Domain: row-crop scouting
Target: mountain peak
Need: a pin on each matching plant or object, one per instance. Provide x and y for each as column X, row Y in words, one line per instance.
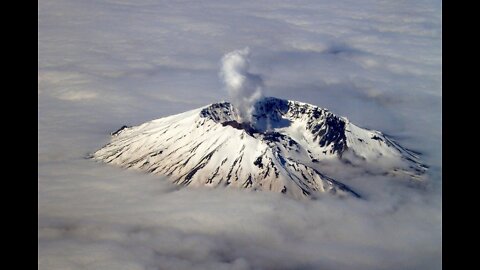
column 279, row 150
column 272, row 114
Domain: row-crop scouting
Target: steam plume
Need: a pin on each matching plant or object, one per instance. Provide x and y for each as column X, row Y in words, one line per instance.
column 243, row 87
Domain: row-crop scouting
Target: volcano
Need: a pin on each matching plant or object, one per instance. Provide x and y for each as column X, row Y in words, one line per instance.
column 282, row 149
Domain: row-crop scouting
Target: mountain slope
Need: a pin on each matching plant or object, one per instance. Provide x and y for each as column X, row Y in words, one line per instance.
column 279, row 151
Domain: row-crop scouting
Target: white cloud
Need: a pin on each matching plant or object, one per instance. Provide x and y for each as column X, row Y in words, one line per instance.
column 77, row 95
column 115, row 216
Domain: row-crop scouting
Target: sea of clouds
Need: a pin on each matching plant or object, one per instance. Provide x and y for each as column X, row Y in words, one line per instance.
column 106, row 63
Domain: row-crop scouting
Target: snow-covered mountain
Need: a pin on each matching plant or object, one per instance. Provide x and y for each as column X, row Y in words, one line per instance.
column 281, row 150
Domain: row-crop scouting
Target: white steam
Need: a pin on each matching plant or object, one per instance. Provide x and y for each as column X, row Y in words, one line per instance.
column 244, row 88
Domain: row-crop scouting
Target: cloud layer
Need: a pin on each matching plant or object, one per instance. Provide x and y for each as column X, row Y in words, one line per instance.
column 110, row 222
column 106, row 63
